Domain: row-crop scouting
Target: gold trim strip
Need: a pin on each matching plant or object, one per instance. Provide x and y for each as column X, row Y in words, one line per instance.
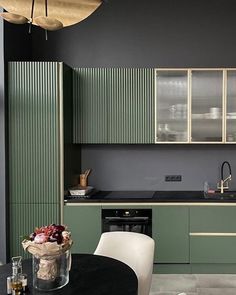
column 189, row 73
column 61, row 139
column 213, row 234
column 150, row 204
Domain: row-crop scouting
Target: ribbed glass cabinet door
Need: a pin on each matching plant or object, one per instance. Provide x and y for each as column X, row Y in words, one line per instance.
column 207, row 106
column 171, row 106
column 231, row 106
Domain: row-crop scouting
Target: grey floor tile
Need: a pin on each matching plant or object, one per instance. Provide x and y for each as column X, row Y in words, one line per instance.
column 216, row 291
column 173, row 283
column 216, row 281
column 171, row 293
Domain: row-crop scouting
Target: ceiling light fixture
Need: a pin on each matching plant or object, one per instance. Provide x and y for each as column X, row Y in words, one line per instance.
column 49, row 14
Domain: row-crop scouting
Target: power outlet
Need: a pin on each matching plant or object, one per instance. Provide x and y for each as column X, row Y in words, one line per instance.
column 173, row 178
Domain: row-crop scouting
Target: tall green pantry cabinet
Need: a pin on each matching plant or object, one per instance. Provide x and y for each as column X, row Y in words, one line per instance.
column 40, row 145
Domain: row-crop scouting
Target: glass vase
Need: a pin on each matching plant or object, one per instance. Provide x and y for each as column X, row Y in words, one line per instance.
column 51, row 272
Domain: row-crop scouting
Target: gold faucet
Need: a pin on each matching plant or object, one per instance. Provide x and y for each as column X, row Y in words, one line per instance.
column 224, row 183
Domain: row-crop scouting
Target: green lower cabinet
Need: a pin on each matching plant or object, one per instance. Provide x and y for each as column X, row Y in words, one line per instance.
column 213, row 219
column 213, row 234
column 170, row 230
column 84, row 223
column 212, row 249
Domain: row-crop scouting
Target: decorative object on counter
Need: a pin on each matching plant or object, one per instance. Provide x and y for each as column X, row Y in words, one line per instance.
column 50, row 246
column 17, row 282
column 50, row 15
column 80, row 191
column 83, row 178
column 208, row 189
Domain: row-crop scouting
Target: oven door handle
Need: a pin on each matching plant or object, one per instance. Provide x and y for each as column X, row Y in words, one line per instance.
column 127, row 219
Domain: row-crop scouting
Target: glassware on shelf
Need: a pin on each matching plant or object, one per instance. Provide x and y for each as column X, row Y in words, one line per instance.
column 163, row 132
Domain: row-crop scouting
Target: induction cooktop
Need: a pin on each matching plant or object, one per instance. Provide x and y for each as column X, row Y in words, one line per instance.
column 129, row 195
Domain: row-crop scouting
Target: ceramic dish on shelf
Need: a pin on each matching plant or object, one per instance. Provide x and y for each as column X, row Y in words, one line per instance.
column 198, row 116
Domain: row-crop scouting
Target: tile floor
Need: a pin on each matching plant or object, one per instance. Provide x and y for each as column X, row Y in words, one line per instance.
column 195, row 284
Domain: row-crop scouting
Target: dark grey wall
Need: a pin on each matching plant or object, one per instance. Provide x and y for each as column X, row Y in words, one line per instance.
column 17, row 43
column 143, row 167
column 2, row 152
column 151, row 33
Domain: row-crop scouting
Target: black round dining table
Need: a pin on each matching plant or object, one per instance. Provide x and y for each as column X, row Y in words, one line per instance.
column 89, row 275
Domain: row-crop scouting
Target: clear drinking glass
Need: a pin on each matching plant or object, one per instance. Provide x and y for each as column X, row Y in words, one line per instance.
column 51, row 272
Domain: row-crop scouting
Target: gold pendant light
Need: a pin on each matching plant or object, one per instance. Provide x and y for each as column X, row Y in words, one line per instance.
column 59, row 13
column 14, row 18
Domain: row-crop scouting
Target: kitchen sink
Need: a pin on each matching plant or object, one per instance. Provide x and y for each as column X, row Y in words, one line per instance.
column 227, row 195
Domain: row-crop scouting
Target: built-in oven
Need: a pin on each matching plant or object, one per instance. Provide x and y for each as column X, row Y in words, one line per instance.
column 134, row 220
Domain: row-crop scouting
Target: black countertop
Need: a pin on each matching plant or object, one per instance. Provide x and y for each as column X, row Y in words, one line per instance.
column 147, row 197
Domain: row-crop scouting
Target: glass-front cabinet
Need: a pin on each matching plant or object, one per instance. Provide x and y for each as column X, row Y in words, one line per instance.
column 172, row 106
column 231, row 107
column 195, row 106
column 206, row 106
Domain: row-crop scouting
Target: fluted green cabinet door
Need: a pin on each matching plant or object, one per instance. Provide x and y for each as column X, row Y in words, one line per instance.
column 130, row 100
column 90, row 105
column 23, row 220
column 36, row 148
column 113, row 105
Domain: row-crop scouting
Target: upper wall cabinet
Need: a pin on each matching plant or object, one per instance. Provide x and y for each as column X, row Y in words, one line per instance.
column 130, row 105
column 172, row 106
column 195, row 106
column 90, row 105
column 230, row 119
column 114, row 105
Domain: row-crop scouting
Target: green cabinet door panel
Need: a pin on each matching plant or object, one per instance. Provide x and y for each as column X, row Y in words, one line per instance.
column 210, row 249
column 211, row 228
column 33, row 110
column 113, row 105
column 170, row 230
column 84, row 223
column 23, row 220
column 90, row 105
column 130, row 99
column 213, row 219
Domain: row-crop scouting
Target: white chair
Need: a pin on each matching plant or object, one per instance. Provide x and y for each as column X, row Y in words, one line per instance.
column 134, row 249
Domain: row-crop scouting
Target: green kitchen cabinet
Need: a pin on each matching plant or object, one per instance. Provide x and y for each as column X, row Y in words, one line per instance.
column 130, row 100
column 40, row 144
column 213, row 234
column 84, row 223
column 113, row 105
column 24, row 218
column 170, row 230
column 90, row 105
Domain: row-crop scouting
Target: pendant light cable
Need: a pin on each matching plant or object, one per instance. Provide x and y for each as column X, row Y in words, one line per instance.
column 31, row 16
column 46, row 14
